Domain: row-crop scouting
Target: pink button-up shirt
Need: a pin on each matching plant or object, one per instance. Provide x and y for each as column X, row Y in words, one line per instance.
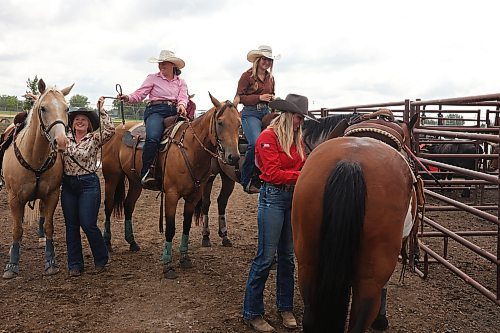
column 158, row 87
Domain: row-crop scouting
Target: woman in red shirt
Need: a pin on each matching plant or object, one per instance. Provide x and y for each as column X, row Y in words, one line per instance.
column 279, row 154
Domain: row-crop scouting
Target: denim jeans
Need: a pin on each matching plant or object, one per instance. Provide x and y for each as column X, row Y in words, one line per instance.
column 80, row 201
column 153, row 118
column 251, row 121
column 275, row 236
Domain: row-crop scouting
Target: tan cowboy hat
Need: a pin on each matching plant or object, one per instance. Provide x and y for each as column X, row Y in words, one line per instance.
column 166, row 55
column 292, row 103
column 263, row 51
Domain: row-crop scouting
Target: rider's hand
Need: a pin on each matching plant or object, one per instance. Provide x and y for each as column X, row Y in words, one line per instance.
column 122, row 97
column 266, row 97
column 181, row 109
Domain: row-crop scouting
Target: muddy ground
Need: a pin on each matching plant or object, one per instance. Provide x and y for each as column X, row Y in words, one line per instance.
column 132, row 295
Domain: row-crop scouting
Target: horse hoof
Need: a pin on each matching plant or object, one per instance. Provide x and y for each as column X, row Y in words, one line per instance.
column 7, row 275
column 381, row 323
column 169, row 272
column 226, row 242
column 205, row 242
column 186, row 262
column 134, row 247
column 52, row 270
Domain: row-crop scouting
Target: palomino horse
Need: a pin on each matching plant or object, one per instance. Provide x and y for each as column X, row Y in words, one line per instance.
column 314, row 133
column 349, row 236
column 187, row 161
column 33, row 170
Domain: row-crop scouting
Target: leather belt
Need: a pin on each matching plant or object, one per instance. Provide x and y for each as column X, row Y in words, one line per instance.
column 162, row 102
column 283, row 187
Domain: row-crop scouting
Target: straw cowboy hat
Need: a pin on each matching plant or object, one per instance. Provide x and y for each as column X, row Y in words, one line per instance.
column 92, row 115
column 166, row 55
column 262, row 51
column 292, row 103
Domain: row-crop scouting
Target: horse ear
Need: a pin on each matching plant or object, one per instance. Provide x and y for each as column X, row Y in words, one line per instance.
column 413, row 121
column 41, row 86
column 66, row 90
column 215, row 102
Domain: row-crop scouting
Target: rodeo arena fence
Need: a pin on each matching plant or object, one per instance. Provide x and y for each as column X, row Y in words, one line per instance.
column 478, row 124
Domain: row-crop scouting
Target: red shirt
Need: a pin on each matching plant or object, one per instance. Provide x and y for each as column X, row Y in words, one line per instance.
column 276, row 166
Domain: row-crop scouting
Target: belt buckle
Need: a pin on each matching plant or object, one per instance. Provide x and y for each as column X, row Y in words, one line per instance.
column 260, row 106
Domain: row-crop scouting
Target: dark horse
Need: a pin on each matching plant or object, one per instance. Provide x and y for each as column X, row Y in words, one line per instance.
column 349, row 235
column 314, row 133
column 456, row 148
column 185, row 168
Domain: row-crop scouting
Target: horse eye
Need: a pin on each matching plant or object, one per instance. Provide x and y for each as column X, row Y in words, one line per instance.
column 43, row 109
column 220, row 123
column 67, row 110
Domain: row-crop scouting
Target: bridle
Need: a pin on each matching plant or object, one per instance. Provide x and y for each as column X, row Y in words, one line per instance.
column 51, row 158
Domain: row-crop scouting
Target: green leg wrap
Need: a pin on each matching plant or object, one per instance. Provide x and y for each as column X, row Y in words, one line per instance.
column 183, row 248
column 129, row 232
column 167, row 253
column 107, row 231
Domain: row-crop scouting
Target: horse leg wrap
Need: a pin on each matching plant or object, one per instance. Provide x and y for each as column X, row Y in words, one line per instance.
column 107, row 231
column 206, row 230
column 183, row 248
column 129, row 232
column 40, row 232
column 383, row 302
column 50, row 254
column 15, row 253
column 222, row 226
column 167, row 253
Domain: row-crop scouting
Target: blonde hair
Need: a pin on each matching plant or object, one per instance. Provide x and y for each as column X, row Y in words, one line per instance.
column 256, row 65
column 283, row 127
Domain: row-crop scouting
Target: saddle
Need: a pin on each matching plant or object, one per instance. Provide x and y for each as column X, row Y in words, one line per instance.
column 136, row 135
column 384, row 128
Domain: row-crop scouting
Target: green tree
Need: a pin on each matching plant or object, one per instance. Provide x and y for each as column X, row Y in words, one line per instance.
column 454, row 119
column 78, row 101
column 32, row 86
column 8, row 103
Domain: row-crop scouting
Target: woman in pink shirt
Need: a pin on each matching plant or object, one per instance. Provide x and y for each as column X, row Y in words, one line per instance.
column 167, row 97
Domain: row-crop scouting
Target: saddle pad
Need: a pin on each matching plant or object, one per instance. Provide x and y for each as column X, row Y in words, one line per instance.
column 165, row 138
column 138, row 133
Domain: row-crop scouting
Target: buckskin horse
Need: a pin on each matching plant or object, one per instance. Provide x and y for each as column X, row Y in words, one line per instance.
column 314, row 133
column 184, row 166
column 348, row 236
column 33, row 170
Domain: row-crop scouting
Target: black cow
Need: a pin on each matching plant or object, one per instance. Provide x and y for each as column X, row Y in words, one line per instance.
column 456, row 148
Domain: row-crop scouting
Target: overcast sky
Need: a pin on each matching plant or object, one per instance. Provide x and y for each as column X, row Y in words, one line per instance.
column 337, row 53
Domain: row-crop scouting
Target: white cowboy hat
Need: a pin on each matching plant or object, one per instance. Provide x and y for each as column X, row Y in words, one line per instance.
column 262, row 51
column 166, row 55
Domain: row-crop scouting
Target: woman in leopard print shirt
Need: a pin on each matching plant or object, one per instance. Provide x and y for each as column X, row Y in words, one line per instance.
column 81, row 190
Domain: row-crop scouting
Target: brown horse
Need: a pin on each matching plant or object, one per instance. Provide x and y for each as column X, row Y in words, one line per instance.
column 349, row 236
column 314, row 133
column 187, row 161
column 33, row 170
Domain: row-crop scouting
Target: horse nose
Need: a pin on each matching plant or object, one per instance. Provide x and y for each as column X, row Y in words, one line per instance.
column 233, row 159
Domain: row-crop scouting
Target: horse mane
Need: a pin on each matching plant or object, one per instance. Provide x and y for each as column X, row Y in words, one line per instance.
column 314, row 130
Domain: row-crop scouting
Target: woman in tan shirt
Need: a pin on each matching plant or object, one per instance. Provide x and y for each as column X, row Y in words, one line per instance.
column 255, row 91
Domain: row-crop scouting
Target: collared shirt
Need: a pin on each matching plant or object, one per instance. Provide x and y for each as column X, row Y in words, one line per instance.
column 276, row 166
column 85, row 152
column 250, row 88
column 159, row 88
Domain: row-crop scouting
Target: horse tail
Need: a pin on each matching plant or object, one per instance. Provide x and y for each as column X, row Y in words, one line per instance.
column 119, row 197
column 343, row 215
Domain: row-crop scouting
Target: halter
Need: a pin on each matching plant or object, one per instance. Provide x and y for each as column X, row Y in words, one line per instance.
column 51, row 158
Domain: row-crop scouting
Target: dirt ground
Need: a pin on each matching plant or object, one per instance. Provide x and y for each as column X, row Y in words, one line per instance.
column 132, row 295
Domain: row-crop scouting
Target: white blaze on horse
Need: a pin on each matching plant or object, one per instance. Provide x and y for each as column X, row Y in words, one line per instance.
column 33, row 169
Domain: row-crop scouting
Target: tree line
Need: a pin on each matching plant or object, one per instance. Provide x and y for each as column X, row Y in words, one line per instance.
column 14, row 104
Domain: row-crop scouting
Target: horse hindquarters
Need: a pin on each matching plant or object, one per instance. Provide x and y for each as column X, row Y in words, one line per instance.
column 343, row 215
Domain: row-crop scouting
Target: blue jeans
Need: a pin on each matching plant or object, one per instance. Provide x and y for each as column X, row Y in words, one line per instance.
column 251, row 121
column 80, row 201
column 153, row 118
column 275, row 235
